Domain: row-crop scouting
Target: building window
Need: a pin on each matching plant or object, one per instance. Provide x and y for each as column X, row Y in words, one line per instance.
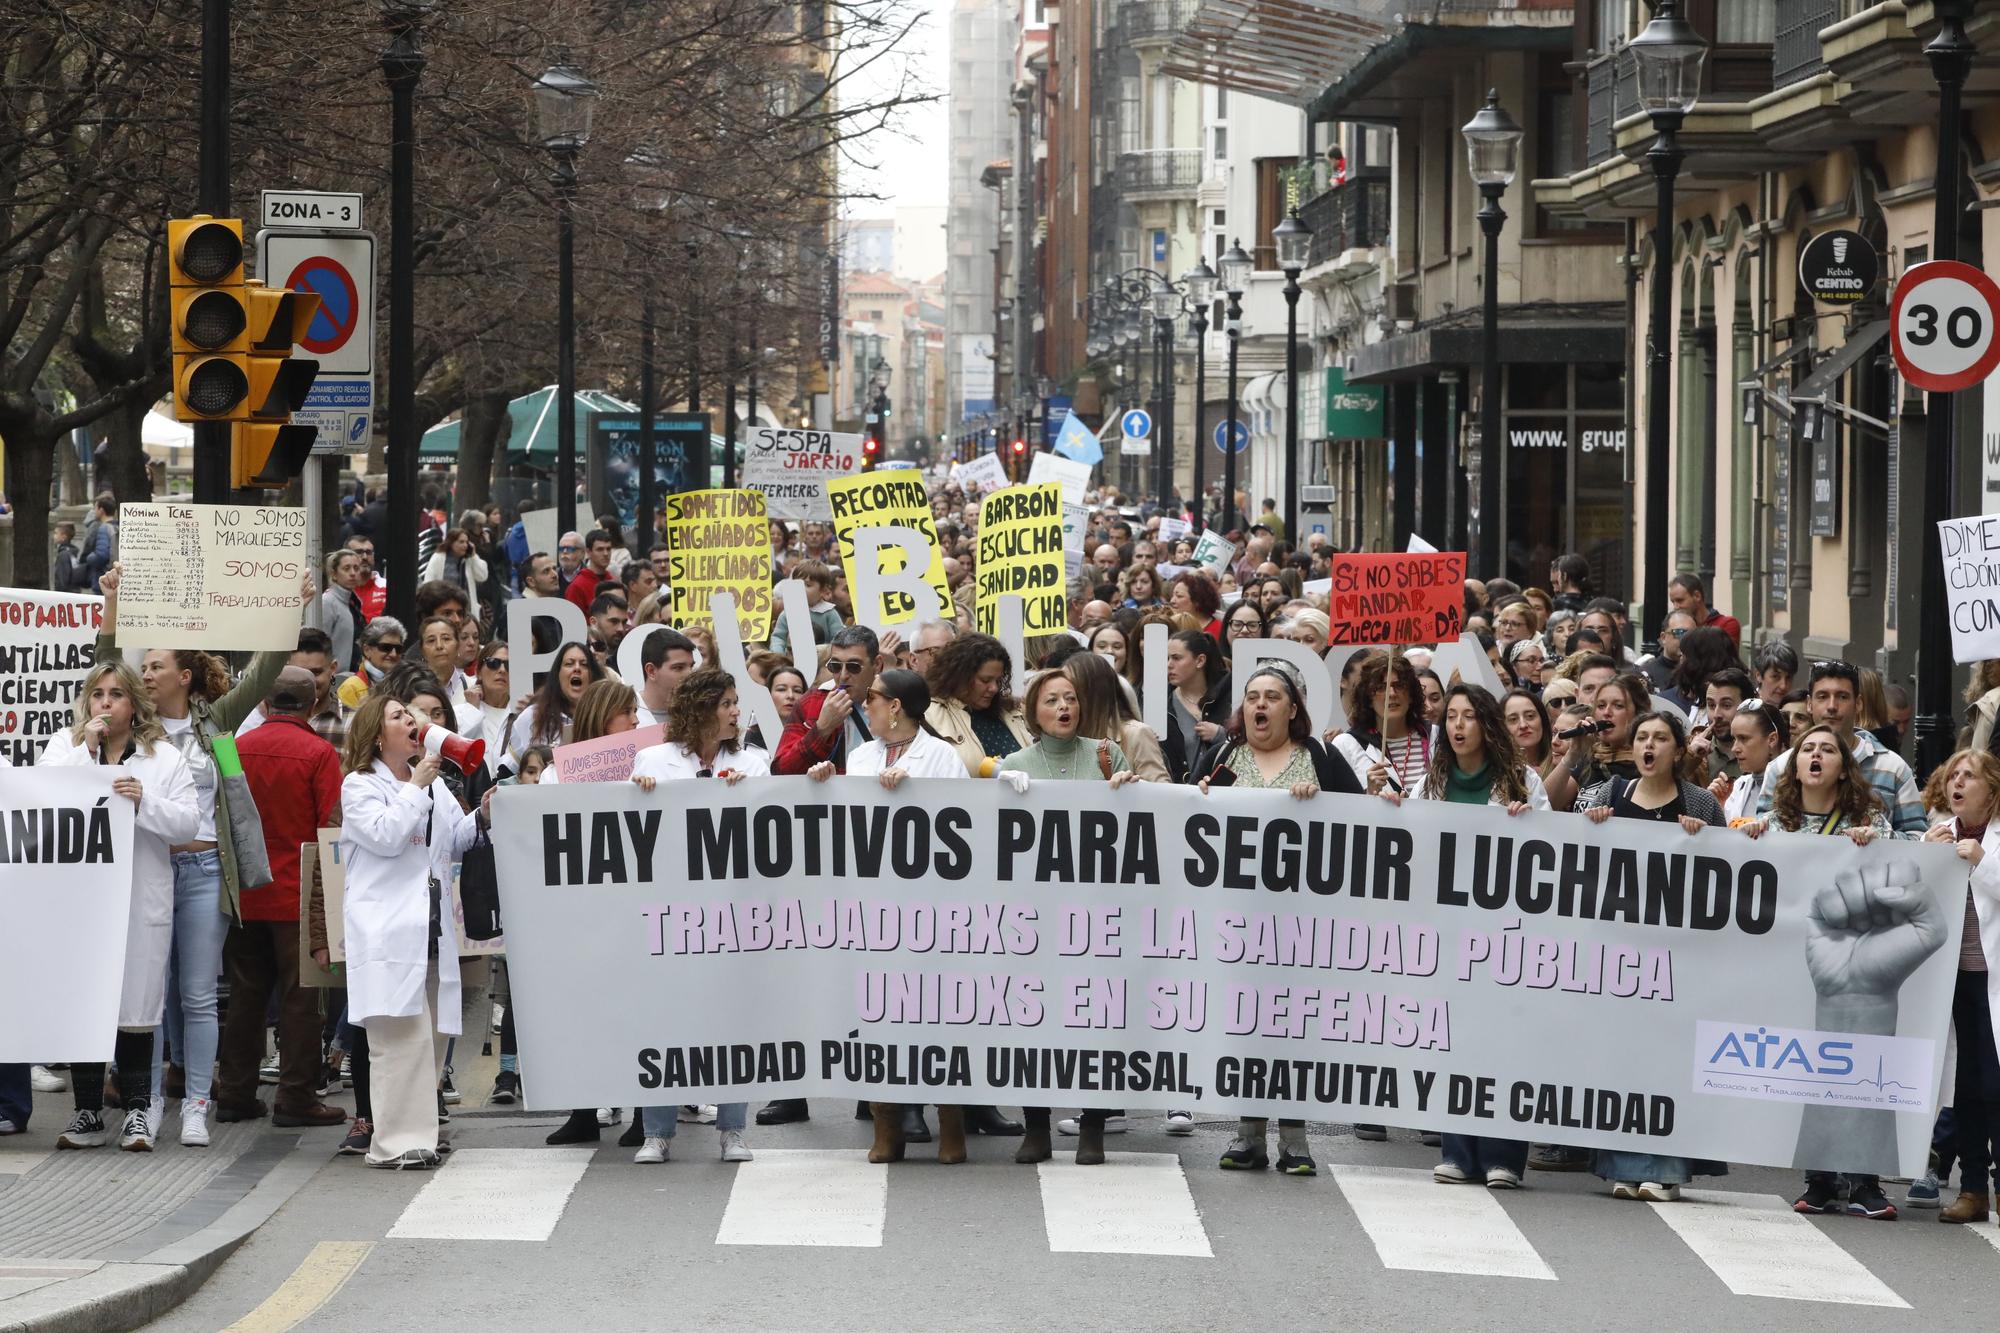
column 1745, row 22
column 1270, row 207
column 1222, row 101
column 1221, row 143
column 1613, row 23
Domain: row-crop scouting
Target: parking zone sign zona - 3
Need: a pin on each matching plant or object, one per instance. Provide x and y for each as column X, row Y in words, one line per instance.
column 337, row 265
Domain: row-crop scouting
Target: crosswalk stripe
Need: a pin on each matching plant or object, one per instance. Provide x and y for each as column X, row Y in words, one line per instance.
column 806, row 1197
column 1136, row 1203
column 494, row 1194
column 1759, row 1247
column 1418, row 1224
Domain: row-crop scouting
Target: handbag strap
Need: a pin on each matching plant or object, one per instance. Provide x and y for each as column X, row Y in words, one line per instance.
column 1104, row 758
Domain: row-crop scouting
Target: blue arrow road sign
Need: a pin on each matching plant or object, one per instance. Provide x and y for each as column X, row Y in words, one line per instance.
column 1137, row 423
column 1224, row 436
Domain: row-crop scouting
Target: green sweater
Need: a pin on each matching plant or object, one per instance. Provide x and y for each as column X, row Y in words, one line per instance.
column 1076, row 757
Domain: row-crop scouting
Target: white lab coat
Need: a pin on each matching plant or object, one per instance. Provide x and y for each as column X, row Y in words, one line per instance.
column 927, row 757
column 1986, row 905
column 672, row 761
column 168, row 814
column 387, row 908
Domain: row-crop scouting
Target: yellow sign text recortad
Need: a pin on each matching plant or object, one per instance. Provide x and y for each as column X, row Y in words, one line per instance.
column 893, row 498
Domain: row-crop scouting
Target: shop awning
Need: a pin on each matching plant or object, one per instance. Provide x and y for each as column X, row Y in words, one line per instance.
column 1288, row 50
column 1841, row 360
column 531, row 425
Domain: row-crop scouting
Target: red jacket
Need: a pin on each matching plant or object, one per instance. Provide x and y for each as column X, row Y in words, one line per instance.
column 582, row 589
column 802, row 745
column 295, row 776
column 1727, row 624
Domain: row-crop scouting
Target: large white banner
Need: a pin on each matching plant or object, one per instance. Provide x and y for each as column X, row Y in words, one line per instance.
column 1780, row 1001
column 47, row 646
column 65, row 896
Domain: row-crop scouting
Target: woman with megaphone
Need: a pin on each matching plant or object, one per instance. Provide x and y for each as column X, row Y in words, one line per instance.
column 401, row 829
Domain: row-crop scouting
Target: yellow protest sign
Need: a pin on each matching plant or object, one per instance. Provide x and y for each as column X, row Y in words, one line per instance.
column 888, row 499
column 1021, row 552
column 719, row 541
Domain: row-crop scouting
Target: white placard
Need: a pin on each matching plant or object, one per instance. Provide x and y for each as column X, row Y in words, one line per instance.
column 1214, row 551
column 220, row 577
column 47, row 642
column 1074, row 476
column 66, row 881
column 984, row 473
column 792, row 467
column 1972, row 585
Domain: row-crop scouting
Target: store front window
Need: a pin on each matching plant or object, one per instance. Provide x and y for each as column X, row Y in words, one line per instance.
column 1566, row 443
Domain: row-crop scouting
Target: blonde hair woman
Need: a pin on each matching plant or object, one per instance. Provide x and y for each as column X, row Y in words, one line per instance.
column 116, row 726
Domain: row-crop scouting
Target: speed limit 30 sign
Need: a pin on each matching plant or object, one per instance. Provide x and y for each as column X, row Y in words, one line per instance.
column 1942, row 326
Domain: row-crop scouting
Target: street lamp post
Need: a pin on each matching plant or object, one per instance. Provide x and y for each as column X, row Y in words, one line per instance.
column 1236, row 267
column 1668, row 54
column 1200, row 284
column 1166, row 303
column 1292, row 239
column 564, row 101
column 651, row 197
column 1951, row 56
column 1493, row 151
column 402, row 65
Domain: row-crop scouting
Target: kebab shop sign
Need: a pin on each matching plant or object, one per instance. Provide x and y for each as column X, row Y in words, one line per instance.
column 1411, row 597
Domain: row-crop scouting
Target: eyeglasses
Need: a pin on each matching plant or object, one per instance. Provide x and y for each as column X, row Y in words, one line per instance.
column 569, row 549
column 494, row 663
column 391, row 649
column 840, row 668
column 1672, row 633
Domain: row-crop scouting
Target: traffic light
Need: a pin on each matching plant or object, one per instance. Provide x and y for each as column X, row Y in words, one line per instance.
column 266, row 455
column 208, row 319
column 1020, row 447
column 871, row 450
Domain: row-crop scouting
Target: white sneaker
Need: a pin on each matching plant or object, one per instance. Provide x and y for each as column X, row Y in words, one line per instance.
column 1624, row 1189
column 1180, row 1123
column 194, row 1123
column 268, row 1071
column 499, row 1013
column 1449, row 1173
column 1653, row 1192
column 651, row 1153
column 733, row 1149
column 137, row 1136
column 1113, row 1124
column 697, row 1115
column 1500, row 1178
column 8, row 1127
column 44, row 1079
column 609, row 1115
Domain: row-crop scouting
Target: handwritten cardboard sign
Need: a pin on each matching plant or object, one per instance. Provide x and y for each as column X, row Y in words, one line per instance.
column 719, row 541
column 1407, row 598
column 1971, row 548
column 792, row 467
column 891, row 499
column 47, row 642
column 1021, row 552
column 606, row 759
column 221, row 577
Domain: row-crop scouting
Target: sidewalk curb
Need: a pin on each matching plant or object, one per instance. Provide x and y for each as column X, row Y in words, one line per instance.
column 122, row 1295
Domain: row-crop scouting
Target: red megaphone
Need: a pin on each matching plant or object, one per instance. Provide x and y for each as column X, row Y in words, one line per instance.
column 460, row 753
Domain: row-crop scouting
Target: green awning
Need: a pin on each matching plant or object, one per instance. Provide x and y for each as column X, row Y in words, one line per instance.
column 531, row 425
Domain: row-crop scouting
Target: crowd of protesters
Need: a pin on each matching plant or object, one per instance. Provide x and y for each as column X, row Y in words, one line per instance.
column 1707, row 731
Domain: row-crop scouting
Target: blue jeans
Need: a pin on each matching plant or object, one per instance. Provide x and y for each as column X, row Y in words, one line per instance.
column 193, row 967
column 1476, row 1155
column 662, row 1121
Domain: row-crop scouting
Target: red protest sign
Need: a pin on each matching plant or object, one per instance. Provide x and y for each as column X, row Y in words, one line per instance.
column 1418, row 597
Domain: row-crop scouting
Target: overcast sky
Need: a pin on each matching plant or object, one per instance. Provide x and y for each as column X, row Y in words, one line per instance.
column 906, row 164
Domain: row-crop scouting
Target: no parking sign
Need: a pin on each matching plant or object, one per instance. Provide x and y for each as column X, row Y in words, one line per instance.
column 339, row 266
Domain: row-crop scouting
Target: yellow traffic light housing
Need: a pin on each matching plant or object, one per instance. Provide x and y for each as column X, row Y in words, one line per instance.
column 208, row 317
column 267, row 455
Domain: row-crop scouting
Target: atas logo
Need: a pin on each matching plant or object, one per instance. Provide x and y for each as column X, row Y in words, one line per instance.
column 1768, row 1051
column 1799, row 1064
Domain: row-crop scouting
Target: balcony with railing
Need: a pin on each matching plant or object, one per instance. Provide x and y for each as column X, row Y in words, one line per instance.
column 1611, row 87
column 1353, row 215
column 1143, row 20
column 1795, row 49
column 1159, row 173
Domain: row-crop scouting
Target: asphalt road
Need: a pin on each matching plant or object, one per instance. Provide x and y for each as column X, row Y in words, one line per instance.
column 513, row 1235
